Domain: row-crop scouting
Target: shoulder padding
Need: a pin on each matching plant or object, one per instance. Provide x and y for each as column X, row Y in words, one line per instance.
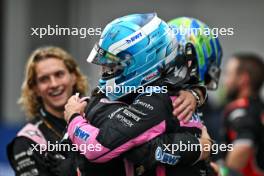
column 32, row 132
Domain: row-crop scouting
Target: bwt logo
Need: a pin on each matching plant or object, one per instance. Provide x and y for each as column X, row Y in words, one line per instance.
column 135, row 37
column 81, row 134
column 166, row 158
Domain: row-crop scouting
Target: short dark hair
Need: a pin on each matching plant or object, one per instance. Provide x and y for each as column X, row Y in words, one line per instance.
column 252, row 64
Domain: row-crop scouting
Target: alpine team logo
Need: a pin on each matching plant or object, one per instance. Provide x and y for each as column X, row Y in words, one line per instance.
column 134, row 38
column 166, row 158
column 81, row 134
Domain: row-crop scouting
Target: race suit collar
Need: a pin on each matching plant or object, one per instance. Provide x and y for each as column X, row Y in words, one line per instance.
column 56, row 123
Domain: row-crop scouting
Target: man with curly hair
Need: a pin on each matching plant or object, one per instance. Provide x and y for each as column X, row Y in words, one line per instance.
column 51, row 77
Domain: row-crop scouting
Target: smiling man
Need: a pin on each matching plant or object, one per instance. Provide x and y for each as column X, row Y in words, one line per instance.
column 51, row 77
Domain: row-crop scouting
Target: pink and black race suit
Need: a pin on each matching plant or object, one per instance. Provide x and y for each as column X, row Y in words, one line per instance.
column 118, row 127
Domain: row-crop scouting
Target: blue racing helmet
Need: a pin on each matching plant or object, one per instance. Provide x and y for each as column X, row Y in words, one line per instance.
column 132, row 51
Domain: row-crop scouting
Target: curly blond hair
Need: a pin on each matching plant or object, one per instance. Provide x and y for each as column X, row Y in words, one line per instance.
column 29, row 100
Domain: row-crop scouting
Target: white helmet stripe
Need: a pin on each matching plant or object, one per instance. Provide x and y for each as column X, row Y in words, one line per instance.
column 136, row 37
column 171, row 56
column 92, row 55
column 174, row 53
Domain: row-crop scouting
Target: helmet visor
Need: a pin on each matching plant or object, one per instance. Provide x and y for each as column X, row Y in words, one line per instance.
column 99, row 56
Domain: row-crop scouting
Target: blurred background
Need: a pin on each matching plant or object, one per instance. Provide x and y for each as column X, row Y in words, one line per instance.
column 19, row 16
